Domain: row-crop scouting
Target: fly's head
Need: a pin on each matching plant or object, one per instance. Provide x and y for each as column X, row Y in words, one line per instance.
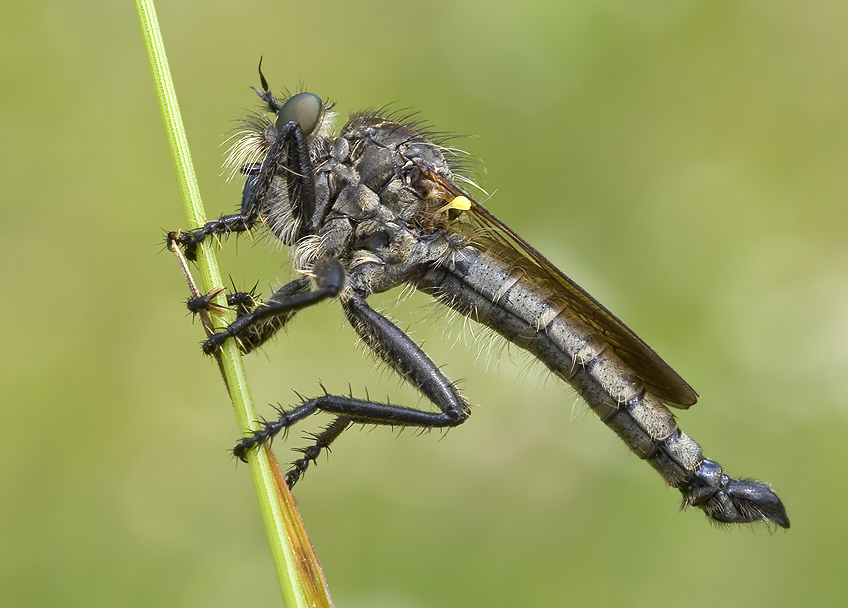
column 269, row 148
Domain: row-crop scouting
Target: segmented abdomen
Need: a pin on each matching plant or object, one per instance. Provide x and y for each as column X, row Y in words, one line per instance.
column 502, row 297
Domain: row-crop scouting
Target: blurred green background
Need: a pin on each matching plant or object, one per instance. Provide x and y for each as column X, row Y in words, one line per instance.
column 684, row 162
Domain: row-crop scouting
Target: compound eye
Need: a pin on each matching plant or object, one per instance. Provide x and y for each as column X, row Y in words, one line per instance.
column 304, row 108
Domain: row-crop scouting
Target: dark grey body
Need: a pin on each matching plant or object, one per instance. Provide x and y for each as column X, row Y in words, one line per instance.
column 384, row 207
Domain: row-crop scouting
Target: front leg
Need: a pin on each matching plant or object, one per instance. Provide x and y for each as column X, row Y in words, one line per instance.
column 287, row 156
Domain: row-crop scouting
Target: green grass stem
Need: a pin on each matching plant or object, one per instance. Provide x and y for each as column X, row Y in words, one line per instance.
column 287, row 571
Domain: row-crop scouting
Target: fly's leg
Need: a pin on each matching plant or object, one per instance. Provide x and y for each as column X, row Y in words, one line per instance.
column 242, row 301
column 404, row 356
column 288, row 155
column 262, row 324
column 322, row 441
column 257, row 326
column 259, row 333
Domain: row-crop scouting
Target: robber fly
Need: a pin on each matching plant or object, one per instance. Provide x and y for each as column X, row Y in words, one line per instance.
column 380, row 206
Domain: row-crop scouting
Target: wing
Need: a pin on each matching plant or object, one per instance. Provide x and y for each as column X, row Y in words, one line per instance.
column 657, row 375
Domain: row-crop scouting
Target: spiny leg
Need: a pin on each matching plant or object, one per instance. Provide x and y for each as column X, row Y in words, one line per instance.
column 242, row 301
column 289, row 156
column 255, row 327
column 310, row 453
column 246, row 303
column 404, row 356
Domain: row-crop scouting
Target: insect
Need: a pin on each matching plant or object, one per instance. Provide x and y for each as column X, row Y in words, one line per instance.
column 380, row 206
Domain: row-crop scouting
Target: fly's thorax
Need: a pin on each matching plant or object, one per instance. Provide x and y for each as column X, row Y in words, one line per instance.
column 377, row 209
column 373, row 163
column 385, row 155
column 392, row 135
column 380, row 220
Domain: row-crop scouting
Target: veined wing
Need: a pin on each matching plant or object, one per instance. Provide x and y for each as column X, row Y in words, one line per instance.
column 657, row 375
